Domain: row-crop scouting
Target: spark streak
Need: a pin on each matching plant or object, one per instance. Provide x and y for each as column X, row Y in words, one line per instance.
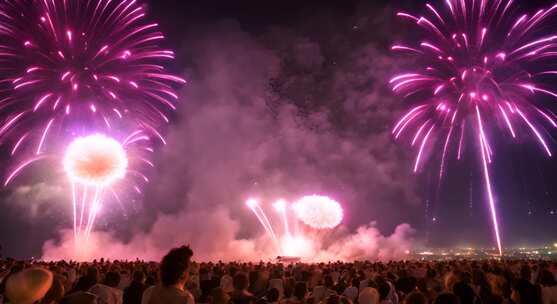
column 319, row 213
column 482, row 59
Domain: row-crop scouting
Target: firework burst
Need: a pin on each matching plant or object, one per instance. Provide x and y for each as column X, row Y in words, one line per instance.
column 481, row 69
column 319, row 213
column 84, row 62
column 93, row 162
column 99, row 167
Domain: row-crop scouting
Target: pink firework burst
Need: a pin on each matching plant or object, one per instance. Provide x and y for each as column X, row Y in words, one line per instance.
column 85, row 62
column 481, row 69
column 99, row 167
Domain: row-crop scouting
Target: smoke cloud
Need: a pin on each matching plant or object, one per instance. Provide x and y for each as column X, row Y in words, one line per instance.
column 277, row 115
column 214, row 236
column 39, row 200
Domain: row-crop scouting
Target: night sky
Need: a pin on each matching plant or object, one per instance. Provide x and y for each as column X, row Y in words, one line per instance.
column 287, row 98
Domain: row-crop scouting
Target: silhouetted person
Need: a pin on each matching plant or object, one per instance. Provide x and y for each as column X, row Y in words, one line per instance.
column 218, row 296
column 465, row 293
column 446, row 298
column 87, row 281
column 548, row 287
column 55, row 293
column 384, row 290
column 272, row 296
column 134, row 292
column 174, row 275
column 299, row 294
column 415, row 297
column 108, row 291
column 241, row 295
column 525, row 293
column 205, row 284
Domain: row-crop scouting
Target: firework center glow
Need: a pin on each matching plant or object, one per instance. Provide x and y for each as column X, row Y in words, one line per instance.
column 318, row 212
column 296, row 246
column 95, row 160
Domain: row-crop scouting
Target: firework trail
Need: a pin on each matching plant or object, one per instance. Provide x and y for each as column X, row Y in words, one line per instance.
column 319, row 213
column 97, row 165
column 92, row 162
column 85, row 62
column 263, row 220
column 481, row 69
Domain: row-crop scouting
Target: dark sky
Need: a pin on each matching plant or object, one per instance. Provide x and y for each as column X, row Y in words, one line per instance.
column 349, row 37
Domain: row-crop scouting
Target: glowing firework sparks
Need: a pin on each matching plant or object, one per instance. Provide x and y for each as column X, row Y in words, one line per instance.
column 318, row 212
column 95, row 164
column 90, row 62
column 280, row 206
column 70, row 66
column 95, row 160
column 263, row 219
column 296, row 242
column 479, row 70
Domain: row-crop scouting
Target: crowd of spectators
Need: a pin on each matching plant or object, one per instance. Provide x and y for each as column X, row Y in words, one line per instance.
column 177, row 279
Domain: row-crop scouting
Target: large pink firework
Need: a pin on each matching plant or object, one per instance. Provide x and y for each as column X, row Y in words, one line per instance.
column 79, row 62
column 481, row 69
column 100, row 169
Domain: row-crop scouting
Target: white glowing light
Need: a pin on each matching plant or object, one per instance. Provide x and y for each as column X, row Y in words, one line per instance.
column 318, row 212
column 280, row 205
column 251, row 203
column 295, row 246
column 95, row 160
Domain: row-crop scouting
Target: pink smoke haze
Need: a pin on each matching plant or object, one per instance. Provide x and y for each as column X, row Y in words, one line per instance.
column 238, row 138
column 215, row 237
